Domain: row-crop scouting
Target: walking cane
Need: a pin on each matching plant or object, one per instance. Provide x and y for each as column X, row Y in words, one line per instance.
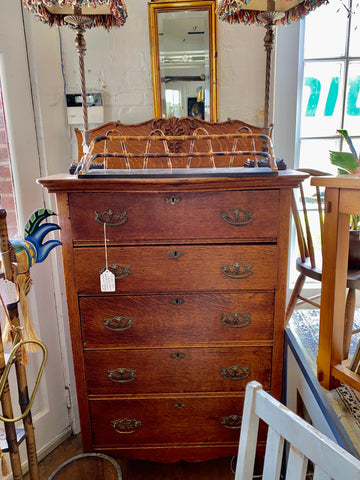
column 20, row 375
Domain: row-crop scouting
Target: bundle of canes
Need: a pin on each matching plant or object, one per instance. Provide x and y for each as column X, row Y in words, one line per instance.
column 6, row 404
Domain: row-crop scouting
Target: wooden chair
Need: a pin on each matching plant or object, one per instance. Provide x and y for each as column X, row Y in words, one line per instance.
column 305, row 443
column 309, row 266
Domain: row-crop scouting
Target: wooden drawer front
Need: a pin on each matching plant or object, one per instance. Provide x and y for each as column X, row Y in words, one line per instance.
column 171, row 419
column 160, row 320
column 179, row 268
column 176, row 369
column 170, row 216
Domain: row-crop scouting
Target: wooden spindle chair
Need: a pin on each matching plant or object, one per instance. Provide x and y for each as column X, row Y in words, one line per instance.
column 309, row 264
column 305, row 443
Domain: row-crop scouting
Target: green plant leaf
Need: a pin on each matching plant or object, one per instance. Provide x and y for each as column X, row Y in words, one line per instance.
column 347, row 137
column 354, row 222
column 345, row 161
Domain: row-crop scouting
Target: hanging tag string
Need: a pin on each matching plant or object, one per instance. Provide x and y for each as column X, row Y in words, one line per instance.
column 107, row 278
column 105, row 241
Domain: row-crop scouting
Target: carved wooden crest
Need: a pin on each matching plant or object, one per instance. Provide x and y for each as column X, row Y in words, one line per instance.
column 174, row 126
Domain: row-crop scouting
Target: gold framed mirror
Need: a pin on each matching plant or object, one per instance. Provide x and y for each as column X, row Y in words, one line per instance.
column 183, row 42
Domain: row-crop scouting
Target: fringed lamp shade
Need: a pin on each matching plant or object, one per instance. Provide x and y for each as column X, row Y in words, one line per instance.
column 80, row 14
column 247, row 12
column 103, row 13
column 270, row 14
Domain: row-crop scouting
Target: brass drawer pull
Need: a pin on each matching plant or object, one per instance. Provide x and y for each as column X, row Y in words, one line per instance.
column 177, row 301
column 120, row 271
column 237, row 270
column 175, row 254
column 237, row 217
column 110, row 218
column 179, row 405
column 125, row 425
column 118, row 323
column 235, row 372
column 173, row 200
column 177, row 355
column 232, row 421
column 236, row 320
column 122, row 375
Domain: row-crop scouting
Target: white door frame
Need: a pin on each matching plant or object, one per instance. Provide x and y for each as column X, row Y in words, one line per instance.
column 36, row 132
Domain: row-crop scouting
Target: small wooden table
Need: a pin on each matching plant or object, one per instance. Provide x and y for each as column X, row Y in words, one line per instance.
column 342, row 198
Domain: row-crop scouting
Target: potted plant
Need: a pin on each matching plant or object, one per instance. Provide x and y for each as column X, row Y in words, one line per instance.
column 348, row 163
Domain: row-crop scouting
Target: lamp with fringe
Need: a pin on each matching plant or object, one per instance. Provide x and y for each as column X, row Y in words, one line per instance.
column 80, row 14
column 268, row 13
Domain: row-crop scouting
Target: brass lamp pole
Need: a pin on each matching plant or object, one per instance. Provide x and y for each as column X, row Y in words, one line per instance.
column 80, row 14
column 268, row 13
column 79, row 22
column 270, row 17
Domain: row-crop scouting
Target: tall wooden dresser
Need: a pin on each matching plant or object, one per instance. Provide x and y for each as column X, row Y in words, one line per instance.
column 161, row 363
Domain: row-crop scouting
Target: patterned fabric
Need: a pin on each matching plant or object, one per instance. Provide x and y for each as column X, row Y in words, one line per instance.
column 117, row 18
column 235, row 11
column 305, row 323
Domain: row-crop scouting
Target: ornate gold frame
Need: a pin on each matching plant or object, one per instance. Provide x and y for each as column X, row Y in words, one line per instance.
column 162, row 5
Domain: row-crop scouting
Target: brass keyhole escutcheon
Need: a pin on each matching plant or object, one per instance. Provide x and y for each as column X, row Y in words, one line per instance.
column 177, row 301
column 178, row 355
column 176, row 254
column 173, row 200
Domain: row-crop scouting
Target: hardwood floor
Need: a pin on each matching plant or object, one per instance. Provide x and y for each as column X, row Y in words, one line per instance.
column 219, row 469
column 69, row 448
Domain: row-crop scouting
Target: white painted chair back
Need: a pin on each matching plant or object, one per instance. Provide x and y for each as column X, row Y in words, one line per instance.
column 304, row 442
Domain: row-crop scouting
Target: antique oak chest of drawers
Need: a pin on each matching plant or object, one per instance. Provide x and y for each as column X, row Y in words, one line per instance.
column 198, row 309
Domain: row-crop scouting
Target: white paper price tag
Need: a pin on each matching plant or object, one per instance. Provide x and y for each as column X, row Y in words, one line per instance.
column 8, row 291
column 107, row 281
column 2, row 315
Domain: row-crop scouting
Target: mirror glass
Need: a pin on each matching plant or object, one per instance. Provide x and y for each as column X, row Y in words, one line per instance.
column 183, row 55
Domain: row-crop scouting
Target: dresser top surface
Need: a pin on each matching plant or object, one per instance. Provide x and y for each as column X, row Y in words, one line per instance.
column 71, row 183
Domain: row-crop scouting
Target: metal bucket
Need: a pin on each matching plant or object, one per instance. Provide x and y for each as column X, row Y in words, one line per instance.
column 94, row 466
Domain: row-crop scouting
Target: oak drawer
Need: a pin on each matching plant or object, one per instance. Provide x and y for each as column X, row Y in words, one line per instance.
column 176, row 369
column 160, row 320
column 143, row 217
column 173, row 420
column 179, row 268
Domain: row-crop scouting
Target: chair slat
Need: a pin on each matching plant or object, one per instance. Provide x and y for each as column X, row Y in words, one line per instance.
column 248, row 439
column 296, row 465
column 321, row 216
column 273, row 455
column 309, row 240
column 299, row 229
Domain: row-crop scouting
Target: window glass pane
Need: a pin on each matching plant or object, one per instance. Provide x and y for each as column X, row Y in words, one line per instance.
column 354, row 49
column 173, row 103
column 322, row 98
column 325, row 30
column 315, row 154
column 352, row 110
